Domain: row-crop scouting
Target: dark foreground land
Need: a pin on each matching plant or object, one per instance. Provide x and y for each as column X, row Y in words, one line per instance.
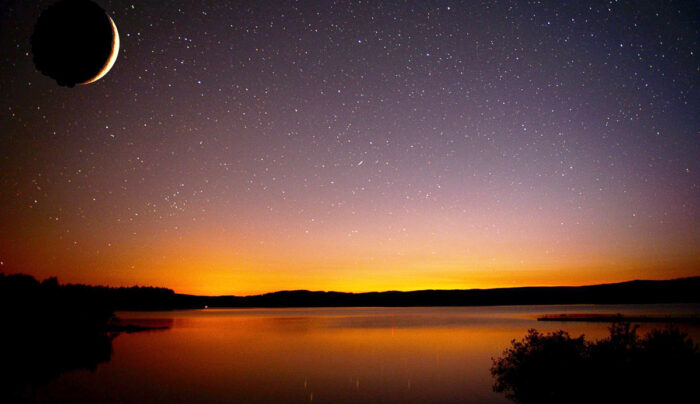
column 662, row 366
column 49, row 329
column 17, row 291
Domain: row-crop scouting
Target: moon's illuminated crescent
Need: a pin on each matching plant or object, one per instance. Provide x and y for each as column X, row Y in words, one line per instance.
column 112, row 57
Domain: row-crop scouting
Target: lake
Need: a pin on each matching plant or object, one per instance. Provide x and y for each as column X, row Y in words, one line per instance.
column 338, row 355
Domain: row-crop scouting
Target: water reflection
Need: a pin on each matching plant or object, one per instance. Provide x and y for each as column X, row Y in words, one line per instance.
column 34, row 354
column 392, row 355
column 30, row 361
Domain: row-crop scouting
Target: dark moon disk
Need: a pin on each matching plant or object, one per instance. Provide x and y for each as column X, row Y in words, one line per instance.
column 74, row 42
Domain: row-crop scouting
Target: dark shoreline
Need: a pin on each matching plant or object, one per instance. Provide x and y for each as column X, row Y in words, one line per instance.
column 26, row 291
column 619, row 318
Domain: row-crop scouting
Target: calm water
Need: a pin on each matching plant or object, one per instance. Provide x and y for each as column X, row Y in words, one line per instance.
column 389, row 355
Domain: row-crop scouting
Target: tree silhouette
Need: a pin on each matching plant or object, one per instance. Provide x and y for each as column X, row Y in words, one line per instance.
column 663, row 366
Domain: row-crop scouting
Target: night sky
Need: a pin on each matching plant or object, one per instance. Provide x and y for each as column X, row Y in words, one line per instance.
column 245, row 147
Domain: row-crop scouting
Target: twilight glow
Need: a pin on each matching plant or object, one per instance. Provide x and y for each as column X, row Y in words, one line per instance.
column 245, row 148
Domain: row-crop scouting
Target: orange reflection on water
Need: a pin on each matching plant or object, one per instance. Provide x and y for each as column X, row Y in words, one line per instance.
column 401, row 355
column 278, row 358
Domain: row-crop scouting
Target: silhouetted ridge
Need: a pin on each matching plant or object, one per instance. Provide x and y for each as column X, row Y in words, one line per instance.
column 671, row 291
column 682, row 290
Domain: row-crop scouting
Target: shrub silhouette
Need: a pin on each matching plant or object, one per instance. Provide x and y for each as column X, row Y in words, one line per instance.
column 663, row 366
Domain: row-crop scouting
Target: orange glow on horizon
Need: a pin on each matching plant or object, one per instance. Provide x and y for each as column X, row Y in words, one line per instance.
column 210, row 268
column 416, row 250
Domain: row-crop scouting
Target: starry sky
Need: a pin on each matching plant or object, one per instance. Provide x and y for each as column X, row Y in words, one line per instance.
column 245, row 147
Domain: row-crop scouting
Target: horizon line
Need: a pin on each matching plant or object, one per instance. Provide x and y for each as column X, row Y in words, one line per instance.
column 447, row 290
column 371, row 291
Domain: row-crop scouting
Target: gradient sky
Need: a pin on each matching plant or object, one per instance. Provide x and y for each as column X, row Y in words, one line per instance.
column 257, row 146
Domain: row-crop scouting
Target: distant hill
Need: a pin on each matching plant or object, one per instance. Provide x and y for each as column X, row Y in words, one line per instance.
column 684, row 290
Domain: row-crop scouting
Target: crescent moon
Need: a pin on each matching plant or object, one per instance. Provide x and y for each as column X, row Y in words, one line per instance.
column 112, row 57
